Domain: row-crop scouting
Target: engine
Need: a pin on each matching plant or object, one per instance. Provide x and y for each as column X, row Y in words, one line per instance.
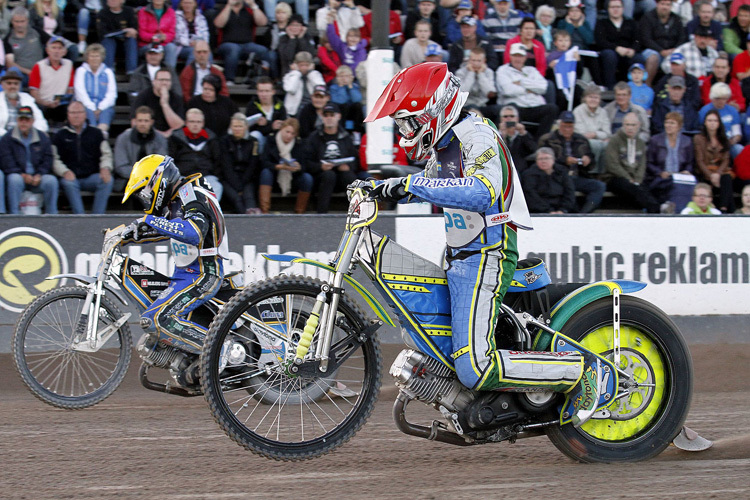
column 426, row 379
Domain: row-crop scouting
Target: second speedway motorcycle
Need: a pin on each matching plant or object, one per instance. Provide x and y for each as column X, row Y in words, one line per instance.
column 72, row 345
column 291, row 366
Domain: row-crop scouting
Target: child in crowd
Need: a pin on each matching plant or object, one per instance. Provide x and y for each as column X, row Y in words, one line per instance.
column 641, row 94
column 701, row 204
column 562, row 43
column 329, row 59
column 346, row 93
column 354, row 51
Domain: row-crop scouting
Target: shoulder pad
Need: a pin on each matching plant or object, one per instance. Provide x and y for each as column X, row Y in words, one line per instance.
column 187, row 194
column 472, row 129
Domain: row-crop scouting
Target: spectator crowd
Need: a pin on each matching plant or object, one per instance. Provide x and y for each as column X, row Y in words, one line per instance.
column 657, row 115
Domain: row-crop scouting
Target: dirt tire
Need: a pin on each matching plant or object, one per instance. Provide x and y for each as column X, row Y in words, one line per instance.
column 239, row 409
column 67, row 378
column 655, row 354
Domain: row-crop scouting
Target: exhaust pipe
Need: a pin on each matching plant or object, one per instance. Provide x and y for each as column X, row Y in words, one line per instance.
column 433, row 433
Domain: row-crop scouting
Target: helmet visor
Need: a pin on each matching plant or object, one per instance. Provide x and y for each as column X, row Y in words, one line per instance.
column 145, row 196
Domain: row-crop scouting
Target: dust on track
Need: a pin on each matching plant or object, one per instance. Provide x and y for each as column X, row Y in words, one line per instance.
column 142, row 444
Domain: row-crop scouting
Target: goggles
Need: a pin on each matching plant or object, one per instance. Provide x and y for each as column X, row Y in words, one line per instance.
column 409, row 126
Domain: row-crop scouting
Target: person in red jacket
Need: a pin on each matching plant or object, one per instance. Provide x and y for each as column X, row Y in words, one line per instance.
column 191, row 77
column 157, row 23
column 720, row 73
column 329, row 59
column 535, row 51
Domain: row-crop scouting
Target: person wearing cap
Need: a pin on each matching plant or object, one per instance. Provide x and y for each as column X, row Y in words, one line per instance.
column 675, row 100
column 353, row 50
column 46, row 17
column 192, row 75
column 236, row 24
column 157, row 25
column 300, row 83
column 592, row 121
column 330, row 142
column 85, row 161
column 573, row 152
column 536, row 55
column 51, row 81
column 720, row 94
column 501, row 23
column 525, row 87
column 311, row 115
column 458, row 51
column 25, row 42
column 196, row 149
column 142, row 78
column 661, row 32
column 624, row 104
column 453, row 26
column 117, row 26
column 721, row 74
column 704, row 16
column 698, row 53
column 625, row 163
column 415, row 48
column 426, row 10
column 617, row 39
column 479, row 81
column 167, row 106
column 217, row 109
column 348, row 16
column 692, row 85
column 295, row 39
column 736, row 34
column 641, row 94
column 575, row 23
column 190, row 27
column 27, row 159
column 547, row 187
column 11, row 98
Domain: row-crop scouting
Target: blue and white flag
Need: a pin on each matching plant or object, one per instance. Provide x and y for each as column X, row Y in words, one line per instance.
column 565, row 74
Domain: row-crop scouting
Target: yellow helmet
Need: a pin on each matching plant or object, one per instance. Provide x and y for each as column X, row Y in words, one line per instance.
column 153, row 179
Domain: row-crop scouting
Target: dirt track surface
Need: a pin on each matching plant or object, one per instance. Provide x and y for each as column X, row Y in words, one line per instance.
column 142, row 444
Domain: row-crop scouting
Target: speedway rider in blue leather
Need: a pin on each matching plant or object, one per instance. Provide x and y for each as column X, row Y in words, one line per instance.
column 185, row 211
column 470, row 174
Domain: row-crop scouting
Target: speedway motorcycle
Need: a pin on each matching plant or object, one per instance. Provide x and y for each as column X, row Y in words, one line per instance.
column 72, row 345
column 291, row 366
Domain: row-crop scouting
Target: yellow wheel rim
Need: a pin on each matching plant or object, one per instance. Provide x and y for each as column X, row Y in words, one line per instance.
column 640, row 358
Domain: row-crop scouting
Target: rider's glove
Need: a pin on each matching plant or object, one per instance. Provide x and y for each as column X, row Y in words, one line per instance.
column 137, row 230
column 365, row 185
column 392, row 189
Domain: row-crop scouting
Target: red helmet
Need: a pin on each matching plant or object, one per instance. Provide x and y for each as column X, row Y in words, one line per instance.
column 425, row 101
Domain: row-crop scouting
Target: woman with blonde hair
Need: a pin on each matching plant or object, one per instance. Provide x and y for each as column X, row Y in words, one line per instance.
column 46, row 16
column 95, row 86
column 283, row 166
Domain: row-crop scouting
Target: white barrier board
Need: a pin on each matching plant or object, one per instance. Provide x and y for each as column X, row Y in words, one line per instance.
column 692, row 265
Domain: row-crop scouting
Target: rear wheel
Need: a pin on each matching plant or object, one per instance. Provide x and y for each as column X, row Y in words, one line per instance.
column 653, row 354
column 51, row 357
column 252, row 396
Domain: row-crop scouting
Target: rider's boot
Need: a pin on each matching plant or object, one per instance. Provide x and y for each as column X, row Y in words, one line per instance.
column 585, row 394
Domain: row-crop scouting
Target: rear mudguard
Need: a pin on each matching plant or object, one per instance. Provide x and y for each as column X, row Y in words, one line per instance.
column 376, row 306
column 89, row 280
column 576, row 300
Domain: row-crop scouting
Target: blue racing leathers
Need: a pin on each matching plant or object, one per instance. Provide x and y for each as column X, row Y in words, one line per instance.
column 471, row 175
column 195, row 227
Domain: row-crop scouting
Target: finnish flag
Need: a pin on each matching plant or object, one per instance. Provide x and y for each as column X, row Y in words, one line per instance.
column 565, row 73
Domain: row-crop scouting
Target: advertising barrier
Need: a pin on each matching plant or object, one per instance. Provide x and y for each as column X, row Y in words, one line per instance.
column 694, row 266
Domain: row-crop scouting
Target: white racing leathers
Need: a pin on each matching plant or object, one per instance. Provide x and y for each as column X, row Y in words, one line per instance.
column 471, row 176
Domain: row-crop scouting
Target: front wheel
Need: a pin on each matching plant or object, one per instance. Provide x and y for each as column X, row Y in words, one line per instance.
column 249, row 390
column 52, row 359
column 656, row 397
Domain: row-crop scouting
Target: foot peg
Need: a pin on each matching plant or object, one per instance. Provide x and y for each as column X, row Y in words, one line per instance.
column 585, row 397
